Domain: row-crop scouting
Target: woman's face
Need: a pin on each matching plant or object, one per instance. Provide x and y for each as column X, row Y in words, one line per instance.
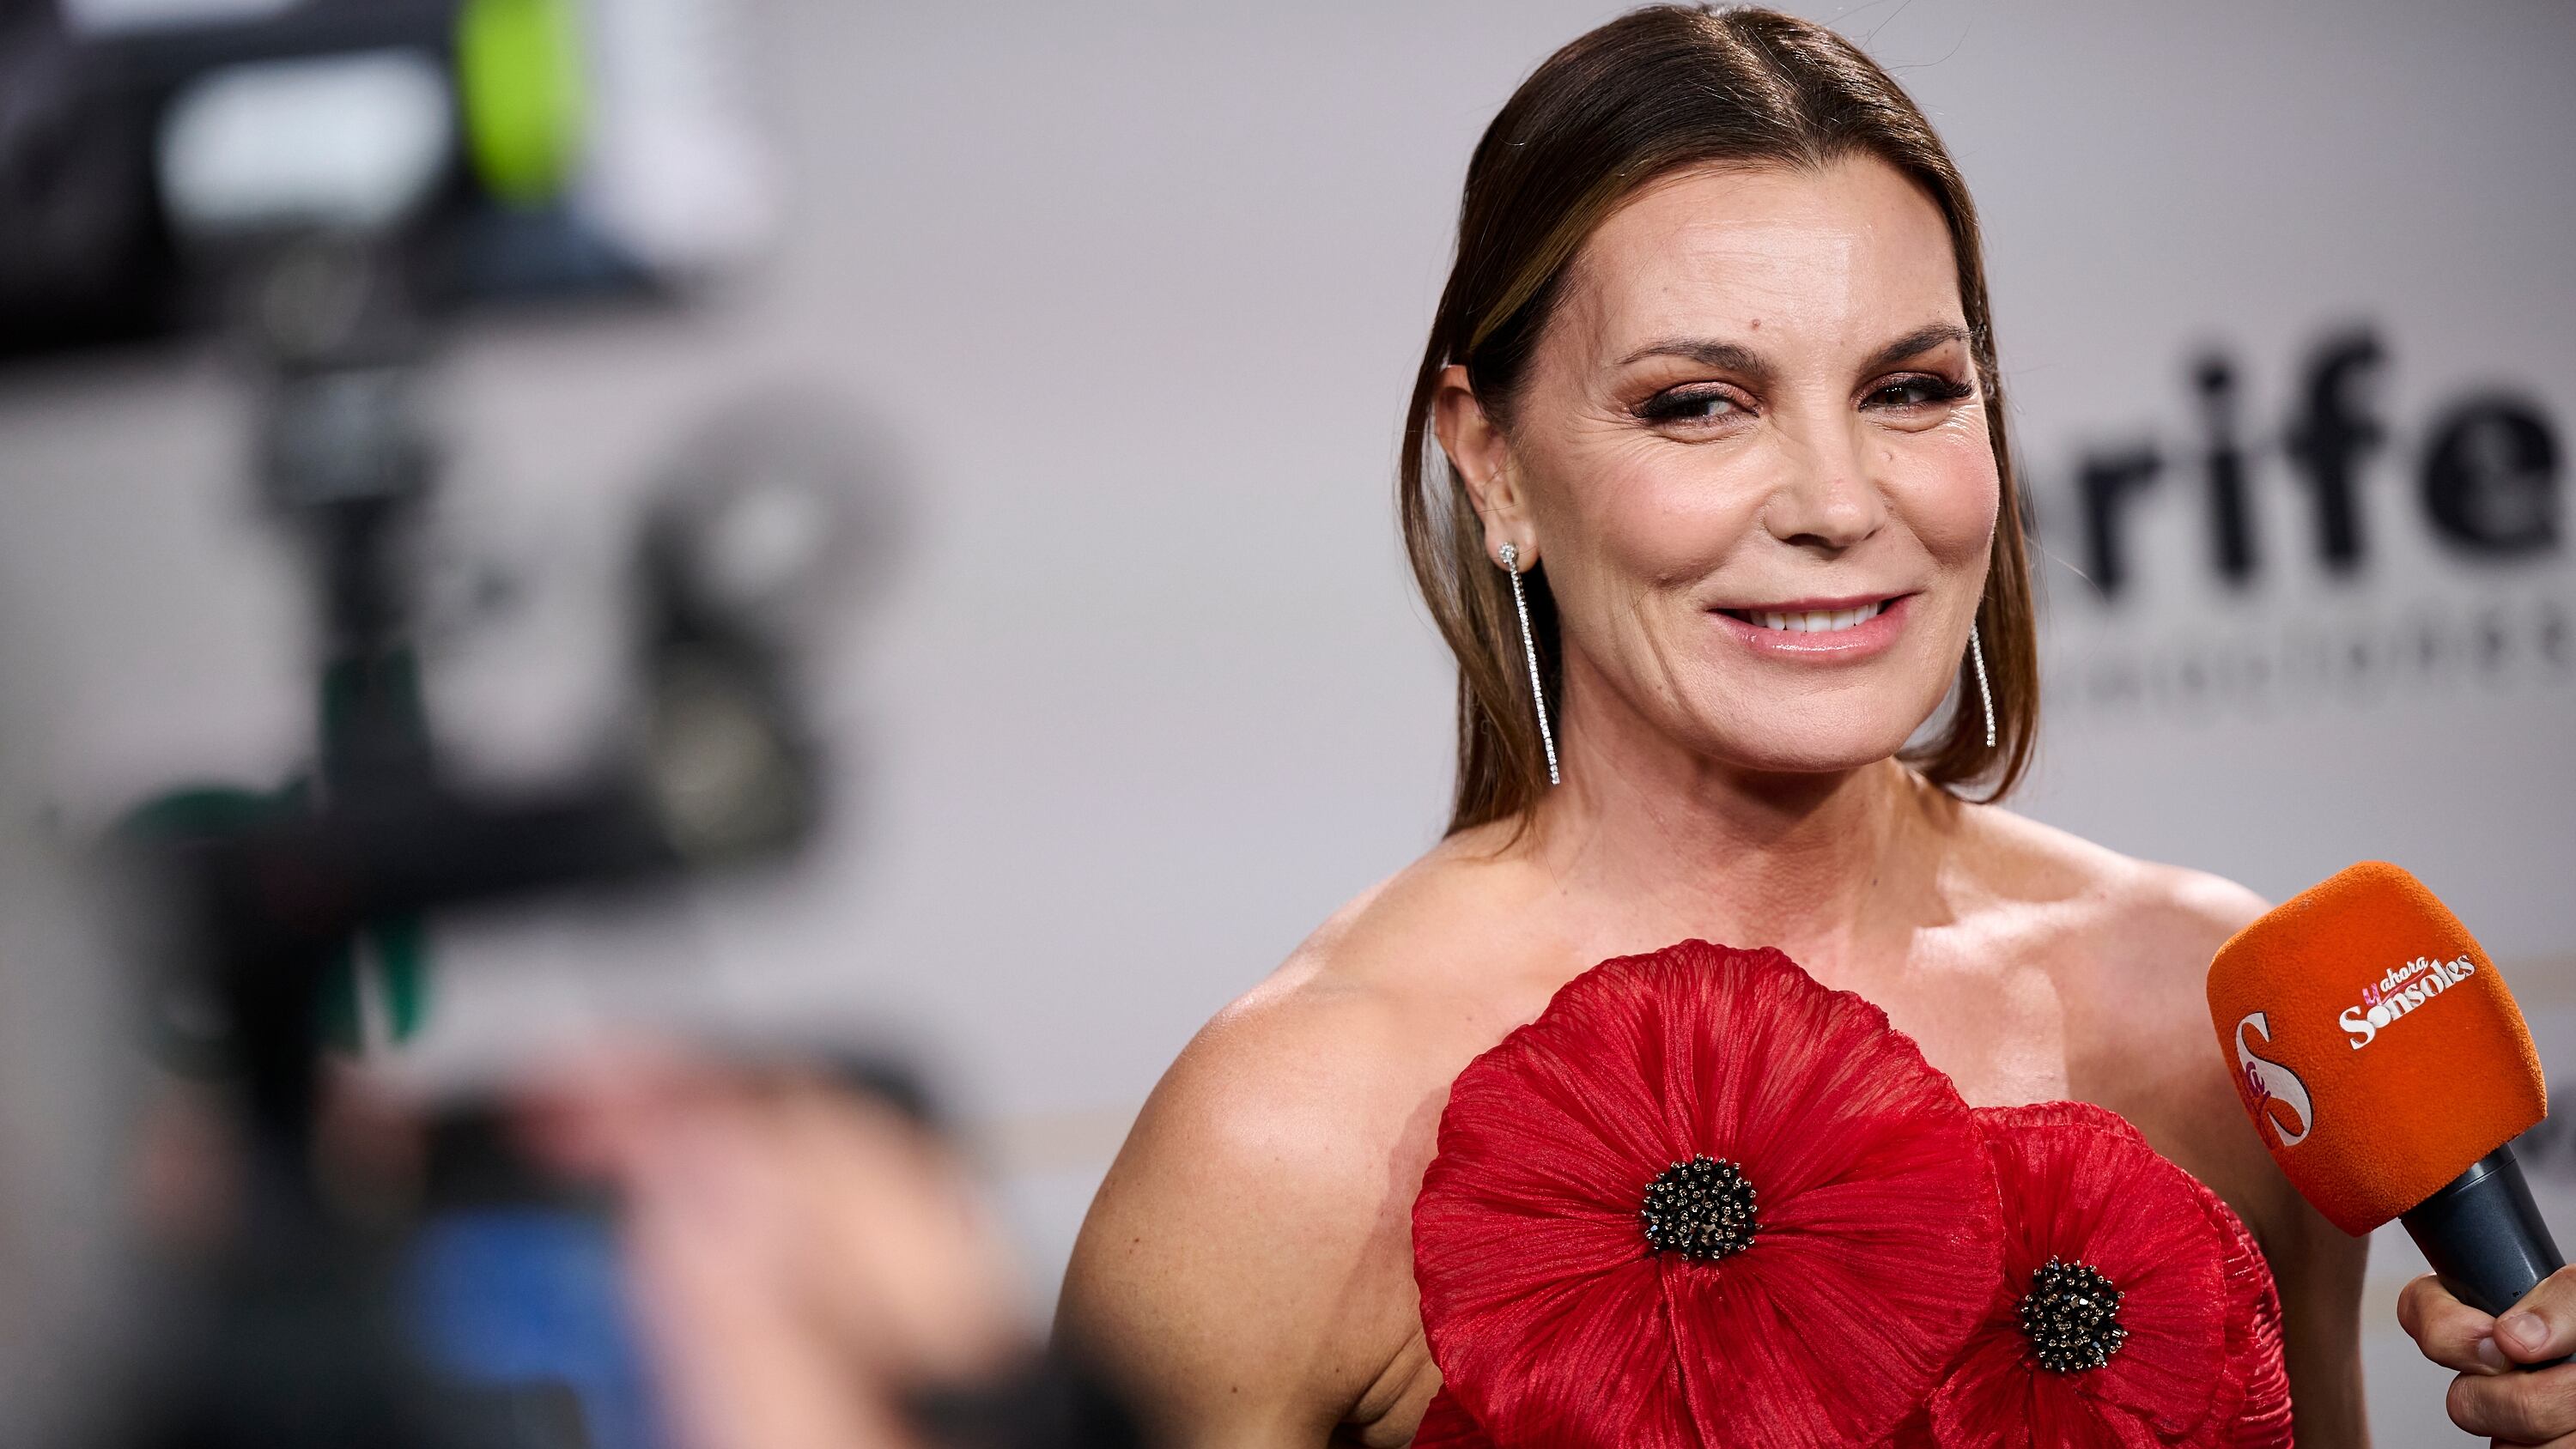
column 1751, row 452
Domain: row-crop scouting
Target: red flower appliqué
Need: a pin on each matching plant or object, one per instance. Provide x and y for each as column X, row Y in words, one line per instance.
column 1700, row 1201
column 2135, row 1310
column 1446, row 1426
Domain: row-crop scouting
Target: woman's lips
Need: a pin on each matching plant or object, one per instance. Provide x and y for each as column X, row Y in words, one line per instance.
column 1820, row 629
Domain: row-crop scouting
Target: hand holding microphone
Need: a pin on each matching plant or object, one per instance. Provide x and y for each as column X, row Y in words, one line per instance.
column 2388, row 1071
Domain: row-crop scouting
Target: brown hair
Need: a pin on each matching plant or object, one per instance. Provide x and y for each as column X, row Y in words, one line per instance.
column 1651, row 93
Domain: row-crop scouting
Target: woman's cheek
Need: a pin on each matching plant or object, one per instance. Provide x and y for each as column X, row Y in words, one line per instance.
column 1951, row 499
column 1670, row 523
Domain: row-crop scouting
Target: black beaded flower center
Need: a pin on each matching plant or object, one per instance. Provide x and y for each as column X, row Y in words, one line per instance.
column 2072, row 1315
column 1701, row 1209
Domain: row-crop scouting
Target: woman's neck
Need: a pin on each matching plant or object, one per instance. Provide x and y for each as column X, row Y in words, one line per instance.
column 1668, row 839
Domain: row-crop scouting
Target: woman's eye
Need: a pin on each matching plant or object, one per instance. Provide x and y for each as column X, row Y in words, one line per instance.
column 1918, row 391
column 1689, row 407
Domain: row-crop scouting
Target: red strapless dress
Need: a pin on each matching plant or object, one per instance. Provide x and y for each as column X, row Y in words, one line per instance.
column 1704, row 1201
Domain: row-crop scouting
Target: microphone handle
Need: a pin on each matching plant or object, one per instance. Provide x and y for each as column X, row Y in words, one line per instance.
column 2484, row 1236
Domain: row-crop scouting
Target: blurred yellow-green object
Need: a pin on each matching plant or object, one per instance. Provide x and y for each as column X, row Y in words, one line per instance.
column 520, row 78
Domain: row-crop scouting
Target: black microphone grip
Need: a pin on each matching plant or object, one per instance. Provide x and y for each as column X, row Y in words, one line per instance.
column 2484, row 1237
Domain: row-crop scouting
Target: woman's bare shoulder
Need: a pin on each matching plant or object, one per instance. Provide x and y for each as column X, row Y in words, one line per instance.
column 2144, row 934
column 1246, row 1266
column 1328, row 1056
column 2130, row 944
column 1316, row 1060
column 2135, row 916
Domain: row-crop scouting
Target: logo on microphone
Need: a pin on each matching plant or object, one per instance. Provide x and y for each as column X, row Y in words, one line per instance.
column 2273, row 1093
column 2400, row 991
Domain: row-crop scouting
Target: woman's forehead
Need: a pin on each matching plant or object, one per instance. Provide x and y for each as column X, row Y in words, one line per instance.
column 1786, row 256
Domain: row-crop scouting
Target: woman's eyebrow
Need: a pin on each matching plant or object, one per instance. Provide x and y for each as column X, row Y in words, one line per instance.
column 1707, row 351
column 1736, row 357
column 1921, row 340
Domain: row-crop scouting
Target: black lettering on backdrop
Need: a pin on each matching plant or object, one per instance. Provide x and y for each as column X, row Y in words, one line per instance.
column 2332, row 660
column 2329, row 439
column 2105, row 484
column 2490, row 477
column 2231, row 511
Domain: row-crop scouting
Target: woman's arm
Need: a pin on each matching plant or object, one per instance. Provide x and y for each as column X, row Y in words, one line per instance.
column 2188, row 1090
column 2316, row 1265
column 1245, row 1273
column 2319, row 1269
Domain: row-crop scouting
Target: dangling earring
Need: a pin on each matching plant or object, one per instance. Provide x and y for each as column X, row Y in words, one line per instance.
column 1985, row 695
column 1529, row 653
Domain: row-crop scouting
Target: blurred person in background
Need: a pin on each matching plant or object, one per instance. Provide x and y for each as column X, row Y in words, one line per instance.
column 800, row 1258
column 805, row 1255
column 1713, row 382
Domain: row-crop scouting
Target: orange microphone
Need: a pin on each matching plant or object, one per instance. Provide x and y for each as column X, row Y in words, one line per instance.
column 2388, row 1070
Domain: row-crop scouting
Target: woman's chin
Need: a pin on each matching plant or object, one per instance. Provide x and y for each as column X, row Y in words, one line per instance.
column 1819, row 732
column 1810, row 756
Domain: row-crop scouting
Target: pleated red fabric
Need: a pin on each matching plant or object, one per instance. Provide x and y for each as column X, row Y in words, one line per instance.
column 1875, row 1247
column 1445, row 1425
column 2254, row 1349
column 2197, row 1365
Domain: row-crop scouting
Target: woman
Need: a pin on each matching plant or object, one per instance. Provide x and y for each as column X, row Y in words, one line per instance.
column 1713, row 384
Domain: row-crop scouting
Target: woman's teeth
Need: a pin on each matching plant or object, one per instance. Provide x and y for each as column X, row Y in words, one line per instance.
column 1811, row 621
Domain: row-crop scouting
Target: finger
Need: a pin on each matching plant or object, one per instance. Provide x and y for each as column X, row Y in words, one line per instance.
column 2518, row 1408
column 2450, row 1332
column 2543, row 1325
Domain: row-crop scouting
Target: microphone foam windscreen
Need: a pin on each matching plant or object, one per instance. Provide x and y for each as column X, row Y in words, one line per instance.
column 2373, row 1042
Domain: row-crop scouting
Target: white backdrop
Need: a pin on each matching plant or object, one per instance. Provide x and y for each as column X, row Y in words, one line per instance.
column 1126, row 297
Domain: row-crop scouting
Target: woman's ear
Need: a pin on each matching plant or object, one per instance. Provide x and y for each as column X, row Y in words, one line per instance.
column 1483, row 457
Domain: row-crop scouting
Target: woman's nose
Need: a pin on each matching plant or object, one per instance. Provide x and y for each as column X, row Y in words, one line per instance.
column 1825, row 499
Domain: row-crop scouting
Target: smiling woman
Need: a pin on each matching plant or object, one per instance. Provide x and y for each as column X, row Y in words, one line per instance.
column 1694, row 368
column 1721, row 527
column 1550, row 174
